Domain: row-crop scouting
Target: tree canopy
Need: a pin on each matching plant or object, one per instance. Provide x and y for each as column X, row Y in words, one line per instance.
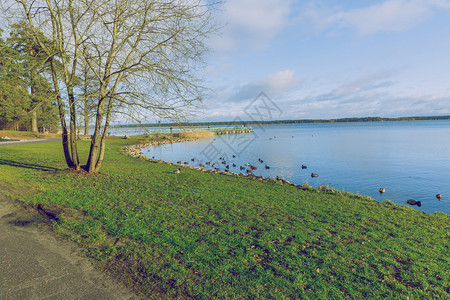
column 142, row 54
column 25, row 94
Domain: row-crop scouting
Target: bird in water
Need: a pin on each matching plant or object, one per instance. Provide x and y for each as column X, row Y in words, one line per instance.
column 304, row 167
column 382, row 190
column 414, row 202
column 439, row 197
column 314, row 175
column 177, row 171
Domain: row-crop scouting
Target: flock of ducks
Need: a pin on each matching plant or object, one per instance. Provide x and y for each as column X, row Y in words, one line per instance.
column 249, row 168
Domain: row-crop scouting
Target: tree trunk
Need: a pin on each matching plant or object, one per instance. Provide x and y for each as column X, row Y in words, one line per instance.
column 86, row 106
column 104, row 135
column 93, row 153
column 34, row 127
column 86, row 125
column 86, row 115
column 64, row 136
column 73, row 129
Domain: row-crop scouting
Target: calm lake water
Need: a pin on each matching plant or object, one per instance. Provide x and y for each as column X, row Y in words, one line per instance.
column 411, row 160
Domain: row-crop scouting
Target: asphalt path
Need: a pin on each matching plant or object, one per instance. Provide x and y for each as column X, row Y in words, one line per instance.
column 6, row 143
column 35, row 263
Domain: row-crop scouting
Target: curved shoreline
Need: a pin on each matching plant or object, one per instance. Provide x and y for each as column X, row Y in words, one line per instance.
column 135, row 151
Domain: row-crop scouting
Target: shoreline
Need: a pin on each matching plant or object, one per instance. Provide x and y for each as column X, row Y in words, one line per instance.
column 135, row 151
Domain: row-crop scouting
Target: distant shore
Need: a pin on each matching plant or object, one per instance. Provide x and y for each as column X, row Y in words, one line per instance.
column 282, row 122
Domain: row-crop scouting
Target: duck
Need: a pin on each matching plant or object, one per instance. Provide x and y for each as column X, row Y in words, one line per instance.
column 439, row 197
column 267, row 167
column 192, row 159
column 414, row 202
column 208, row 163
column 382, row 190
column 314, row 175
column 304, row 167
column 202, row 165
column 179, row 162
column 177, row 171
column 234, row 165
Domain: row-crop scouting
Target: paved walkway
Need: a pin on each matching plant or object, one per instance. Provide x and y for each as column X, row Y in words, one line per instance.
column 4, row 143
column 35, row 264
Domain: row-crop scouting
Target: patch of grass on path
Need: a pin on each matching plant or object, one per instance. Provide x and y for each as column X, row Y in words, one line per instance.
column 205, row 235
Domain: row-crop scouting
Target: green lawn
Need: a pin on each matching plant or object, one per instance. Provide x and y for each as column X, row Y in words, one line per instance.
column 205, row 235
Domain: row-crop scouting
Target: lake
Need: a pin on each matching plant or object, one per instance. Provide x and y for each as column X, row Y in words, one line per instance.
column 411, row 160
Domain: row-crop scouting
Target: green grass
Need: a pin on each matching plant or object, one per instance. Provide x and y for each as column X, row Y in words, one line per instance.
column 204, row 235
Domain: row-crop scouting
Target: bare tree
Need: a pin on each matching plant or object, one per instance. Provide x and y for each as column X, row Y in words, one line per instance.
column 144, row 54
column 88, row 86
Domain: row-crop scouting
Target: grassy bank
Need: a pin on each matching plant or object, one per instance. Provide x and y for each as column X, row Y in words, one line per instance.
column 205, row 235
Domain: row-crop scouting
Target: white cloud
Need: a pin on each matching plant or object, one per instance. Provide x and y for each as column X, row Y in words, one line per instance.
column 281, row 81
column 254, row 21
column 373, row 94
column 274, row 84
column 390, row 15
column 256, row 15
column 393, row 15
column 365, row 83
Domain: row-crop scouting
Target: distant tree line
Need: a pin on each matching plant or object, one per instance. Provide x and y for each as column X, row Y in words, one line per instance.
column 303, row 121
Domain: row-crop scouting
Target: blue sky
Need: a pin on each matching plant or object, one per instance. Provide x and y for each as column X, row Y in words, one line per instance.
column 330, row 59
